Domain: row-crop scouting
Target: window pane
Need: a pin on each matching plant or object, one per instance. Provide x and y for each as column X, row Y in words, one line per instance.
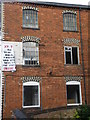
column 68, row 57
column 74, row 55
column 69, row 21
column 73, row 94
column 30, row 18
column 31, row 95
column 27, row 54
column 30, row 53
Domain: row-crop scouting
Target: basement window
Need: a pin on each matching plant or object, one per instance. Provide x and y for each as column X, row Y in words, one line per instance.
column 73, row 93
column 31, row 94
column 71, row 55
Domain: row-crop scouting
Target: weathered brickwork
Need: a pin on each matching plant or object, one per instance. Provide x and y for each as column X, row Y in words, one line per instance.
column 51, row 56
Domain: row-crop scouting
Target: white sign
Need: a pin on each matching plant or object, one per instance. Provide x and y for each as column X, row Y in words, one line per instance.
column 8, row 60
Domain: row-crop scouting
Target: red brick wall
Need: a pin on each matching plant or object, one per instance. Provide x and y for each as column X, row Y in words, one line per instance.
column 51, row 55
column 89, row 56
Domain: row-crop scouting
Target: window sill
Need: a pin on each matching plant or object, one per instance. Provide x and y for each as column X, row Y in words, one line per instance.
column 70, row 31
column 72, row 64
column 37, row 106
column 74, row 104
column 33, row 28
column 30, row 65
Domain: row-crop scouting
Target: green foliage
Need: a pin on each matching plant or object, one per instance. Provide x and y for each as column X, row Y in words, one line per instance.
column 82, row 113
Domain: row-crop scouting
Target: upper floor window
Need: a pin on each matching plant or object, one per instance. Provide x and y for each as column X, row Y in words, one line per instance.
column 70, row 21
column 30, row 53
column 30, row 18
column 71, row 55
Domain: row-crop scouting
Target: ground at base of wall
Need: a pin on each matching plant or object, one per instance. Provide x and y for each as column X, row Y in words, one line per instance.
column 69, row 113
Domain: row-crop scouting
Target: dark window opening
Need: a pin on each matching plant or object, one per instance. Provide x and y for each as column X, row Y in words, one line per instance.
column 71, row 55
column 68, row 57
column 74, row 55
column 73, row 94
column 31, row 96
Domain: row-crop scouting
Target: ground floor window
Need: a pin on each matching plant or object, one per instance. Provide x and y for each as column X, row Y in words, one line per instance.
column 73, row 93
column 31, row 94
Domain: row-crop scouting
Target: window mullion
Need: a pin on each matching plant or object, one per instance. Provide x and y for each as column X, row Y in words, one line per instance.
column 78, row 55
column 71, row 56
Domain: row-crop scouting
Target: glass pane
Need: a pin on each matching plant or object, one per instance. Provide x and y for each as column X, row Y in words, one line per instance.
column 30, row 18
column 75, row 22
column 66, row 21
column 30, row 53
column 27, row 54
column 68, row 57
column 69, row 21
column 31, row 95
column 73, row 94
column 74, row 55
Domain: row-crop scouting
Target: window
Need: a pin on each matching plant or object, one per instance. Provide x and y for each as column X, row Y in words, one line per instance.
column 69, row 21
column 73, row 93
column 31, row 94
column 30, row 53
column 30, row 18
column 71, row 55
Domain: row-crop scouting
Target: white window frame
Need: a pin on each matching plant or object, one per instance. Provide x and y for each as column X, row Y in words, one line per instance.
column 71, row 55
column 31, row 83
column 29, row 58
column 75, row 83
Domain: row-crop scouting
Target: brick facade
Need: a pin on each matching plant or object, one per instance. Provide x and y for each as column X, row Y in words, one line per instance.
column 52, row 69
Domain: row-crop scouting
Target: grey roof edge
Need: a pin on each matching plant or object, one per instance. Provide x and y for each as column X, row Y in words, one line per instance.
column 50, row 3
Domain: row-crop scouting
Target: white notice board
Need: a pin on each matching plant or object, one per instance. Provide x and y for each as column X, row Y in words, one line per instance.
column 8, row 58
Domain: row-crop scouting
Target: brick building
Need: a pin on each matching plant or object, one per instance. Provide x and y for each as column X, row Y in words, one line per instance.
column 50, row 48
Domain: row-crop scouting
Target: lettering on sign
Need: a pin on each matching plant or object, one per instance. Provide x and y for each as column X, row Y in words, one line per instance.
column 8, row 60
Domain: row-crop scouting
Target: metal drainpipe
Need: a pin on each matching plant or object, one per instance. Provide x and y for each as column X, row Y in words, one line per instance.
column 82, row 56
